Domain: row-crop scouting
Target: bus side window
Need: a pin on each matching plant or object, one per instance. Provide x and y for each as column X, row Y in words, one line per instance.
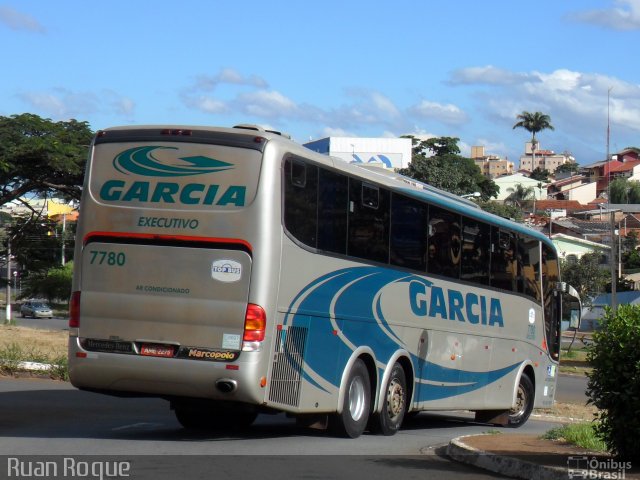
column 408, row 233
column 333, row 205
column 368, row 226
column 503, row 260
column 531, row 267
column 476, row 245
column 301, row 201
column 445, row 245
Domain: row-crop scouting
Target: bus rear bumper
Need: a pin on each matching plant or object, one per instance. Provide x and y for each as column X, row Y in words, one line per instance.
column 132, row 375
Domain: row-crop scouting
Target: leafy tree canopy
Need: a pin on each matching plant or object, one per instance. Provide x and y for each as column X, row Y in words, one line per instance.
column 41, row 157
column 533, row 123
column 540, row 174
column 511, row 212
column 624, row 191
column 437, row 162
column 569, row 167
column 586, row 275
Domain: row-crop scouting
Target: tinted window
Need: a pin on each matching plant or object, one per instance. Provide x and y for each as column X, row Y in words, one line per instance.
column 333, row 205
column 301, row 200
column 444, row 245
column 503, row 260
column 368, row 226
column 551, row 299
column 531, row 267
column 476, row 246
column 408, row 232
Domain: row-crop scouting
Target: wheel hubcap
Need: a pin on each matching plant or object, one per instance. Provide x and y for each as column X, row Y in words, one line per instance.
column 521, row 402
column 356, row 398
column 395, row 399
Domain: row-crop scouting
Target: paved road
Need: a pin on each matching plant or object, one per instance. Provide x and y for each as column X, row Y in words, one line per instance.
column 572, row 389
column 43, row 417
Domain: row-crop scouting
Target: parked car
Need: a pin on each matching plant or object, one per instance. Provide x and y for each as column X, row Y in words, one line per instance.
column 36, row 310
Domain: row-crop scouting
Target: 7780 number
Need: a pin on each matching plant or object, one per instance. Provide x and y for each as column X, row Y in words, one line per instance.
column 101, row 257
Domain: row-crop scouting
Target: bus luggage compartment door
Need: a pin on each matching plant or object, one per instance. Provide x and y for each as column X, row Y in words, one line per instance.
column 164, row 295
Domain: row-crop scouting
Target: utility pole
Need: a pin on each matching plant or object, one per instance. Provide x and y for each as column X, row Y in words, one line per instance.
column 64, row 228
column 614, row 277
column 7, row 319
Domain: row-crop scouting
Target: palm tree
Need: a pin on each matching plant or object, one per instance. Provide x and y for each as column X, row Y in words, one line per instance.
column 533, row 123
column 519, row 195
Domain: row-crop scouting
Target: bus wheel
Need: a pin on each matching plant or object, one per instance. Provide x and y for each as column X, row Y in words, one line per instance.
column 524, row 403
column 394, row 406
column 352, row 421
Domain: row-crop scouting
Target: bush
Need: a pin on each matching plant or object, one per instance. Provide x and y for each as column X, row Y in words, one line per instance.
column 614, row 383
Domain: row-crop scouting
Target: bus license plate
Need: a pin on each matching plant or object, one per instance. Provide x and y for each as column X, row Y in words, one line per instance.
column 157, row 350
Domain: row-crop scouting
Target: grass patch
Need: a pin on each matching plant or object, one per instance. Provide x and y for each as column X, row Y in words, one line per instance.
column 21, row 344
column 580, row 434
column 574, row 411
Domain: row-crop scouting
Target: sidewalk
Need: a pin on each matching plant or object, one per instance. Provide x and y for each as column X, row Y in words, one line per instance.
column 530, row 457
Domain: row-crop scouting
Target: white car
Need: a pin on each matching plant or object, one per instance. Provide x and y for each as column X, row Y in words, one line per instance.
column 36, row 310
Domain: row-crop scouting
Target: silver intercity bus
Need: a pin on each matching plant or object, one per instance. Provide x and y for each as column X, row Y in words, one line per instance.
column 233, row 272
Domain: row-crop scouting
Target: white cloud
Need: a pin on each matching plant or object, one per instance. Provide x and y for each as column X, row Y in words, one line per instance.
column 19, row 21
column 488, row 74
column 64, row 104
column 263, row 103
column 626, row 16
column 448, row 114
column 227, row 76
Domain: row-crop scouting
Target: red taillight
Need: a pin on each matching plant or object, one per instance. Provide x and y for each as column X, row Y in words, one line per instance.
column 255, row 322
column 74, row 310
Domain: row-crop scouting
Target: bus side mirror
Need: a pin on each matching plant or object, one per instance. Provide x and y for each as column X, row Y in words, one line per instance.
column 576, row 313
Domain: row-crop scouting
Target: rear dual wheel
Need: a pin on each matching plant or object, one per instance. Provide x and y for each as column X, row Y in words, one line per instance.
column 394, row 404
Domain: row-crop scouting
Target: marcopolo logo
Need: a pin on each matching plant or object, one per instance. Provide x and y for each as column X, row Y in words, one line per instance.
column 141, row 162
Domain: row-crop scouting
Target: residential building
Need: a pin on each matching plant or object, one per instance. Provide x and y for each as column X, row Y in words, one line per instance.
column 508, row 183
column 621, row 165
column 571, row 248
column 491, row 166
column 544, row 159
column 387, row 152
column 576, row 187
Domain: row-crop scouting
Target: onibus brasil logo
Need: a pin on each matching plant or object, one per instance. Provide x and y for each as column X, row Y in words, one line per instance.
column 141, row 162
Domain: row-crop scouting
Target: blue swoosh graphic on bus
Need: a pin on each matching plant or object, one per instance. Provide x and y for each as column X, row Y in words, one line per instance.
column 141, row 161
column 352, row 294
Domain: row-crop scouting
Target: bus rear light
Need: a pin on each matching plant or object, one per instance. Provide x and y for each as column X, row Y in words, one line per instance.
column 255, row 322
column 74, row 310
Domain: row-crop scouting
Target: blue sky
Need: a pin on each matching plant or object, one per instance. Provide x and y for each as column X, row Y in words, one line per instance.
column 461, row 68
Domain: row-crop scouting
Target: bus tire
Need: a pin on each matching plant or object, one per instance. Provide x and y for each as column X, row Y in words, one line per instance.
column 394, row 404
column 352, row 421
column 524, row 403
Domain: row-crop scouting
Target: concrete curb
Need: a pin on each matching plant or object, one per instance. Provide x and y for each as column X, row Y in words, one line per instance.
column 509, row 466
column 31, row 366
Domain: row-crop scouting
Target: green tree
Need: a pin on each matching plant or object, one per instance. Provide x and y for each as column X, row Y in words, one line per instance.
column 569, row 167
column 437, row 161
column 520, row 195
column 614, row 382
column 540, row 174
column 624, row 191
column 510, row 212
column 533, row 123
column 41, row 157
column 54, row 284
column 586, row 275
